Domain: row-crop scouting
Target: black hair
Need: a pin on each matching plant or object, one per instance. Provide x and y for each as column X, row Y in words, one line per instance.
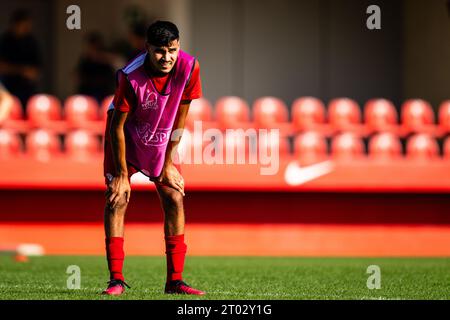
column 162, row 33
column 20, row 15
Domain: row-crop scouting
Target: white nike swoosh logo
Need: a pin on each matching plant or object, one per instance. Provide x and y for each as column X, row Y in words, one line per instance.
column 295, row 175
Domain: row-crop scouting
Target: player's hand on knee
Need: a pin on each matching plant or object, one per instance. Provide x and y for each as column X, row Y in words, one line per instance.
column 119, row 190
column 171, row 177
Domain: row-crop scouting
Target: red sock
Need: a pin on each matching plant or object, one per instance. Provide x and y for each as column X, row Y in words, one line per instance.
column 175, row 254
column 115, row 256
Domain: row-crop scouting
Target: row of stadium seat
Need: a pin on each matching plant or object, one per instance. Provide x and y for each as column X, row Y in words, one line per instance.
column 46, row 111
column 308, row 113
column 310, row 145
column 42, row 144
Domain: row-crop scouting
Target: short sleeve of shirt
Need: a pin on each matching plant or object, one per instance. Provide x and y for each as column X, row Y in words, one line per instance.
column 123, row 96
column 193, row 89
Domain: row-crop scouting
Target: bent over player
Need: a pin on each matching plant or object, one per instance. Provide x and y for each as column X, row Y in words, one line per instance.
column 152, row 99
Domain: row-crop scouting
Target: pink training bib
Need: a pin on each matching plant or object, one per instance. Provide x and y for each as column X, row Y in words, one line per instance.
column 149, row 126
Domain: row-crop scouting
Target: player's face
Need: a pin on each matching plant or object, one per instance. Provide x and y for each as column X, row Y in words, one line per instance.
column 163, row 58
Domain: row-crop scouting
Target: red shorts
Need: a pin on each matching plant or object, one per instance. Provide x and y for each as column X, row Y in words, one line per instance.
column 109, row 169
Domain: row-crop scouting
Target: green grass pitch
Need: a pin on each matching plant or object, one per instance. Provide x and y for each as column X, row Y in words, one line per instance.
column 232, row 278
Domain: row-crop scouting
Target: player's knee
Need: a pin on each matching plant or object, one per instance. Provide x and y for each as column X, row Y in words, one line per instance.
column 118, row 208
column 172, row 197
column 122, row 203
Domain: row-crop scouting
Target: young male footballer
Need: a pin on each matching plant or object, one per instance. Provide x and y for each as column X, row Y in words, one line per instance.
column 152, row 99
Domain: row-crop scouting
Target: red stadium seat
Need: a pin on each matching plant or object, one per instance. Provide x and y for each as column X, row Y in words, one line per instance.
column 380, row 115
column 42, row 144
column 310, row 147
column 347, row 146
column 344, row 114
column 417, row 116
column 82, row 145
column 104, row 107
column 16, row 112
column 235, row 146
column 14, row 119
column 211, row 148
column 232, row 112
column 447, row 148
column 422, row 146
column 444, row 116
column 268, row 142
column 192, row 146
column 10, row 144
column 240, row 145
column 385, row 146
column 199, row 110
column 307, row 113
column 269, row 112
column 80, row 111
column 42, row 109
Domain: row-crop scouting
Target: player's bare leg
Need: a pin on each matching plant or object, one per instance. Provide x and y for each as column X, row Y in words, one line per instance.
column 114, row 219
column 114, row 231
column 172, row 205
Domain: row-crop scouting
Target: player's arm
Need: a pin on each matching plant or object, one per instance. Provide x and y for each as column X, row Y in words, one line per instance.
column 119, row 186
column 170, row 175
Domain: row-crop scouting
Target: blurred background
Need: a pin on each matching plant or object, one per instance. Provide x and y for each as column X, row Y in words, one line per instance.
column 372, row 106
column 256, row 48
